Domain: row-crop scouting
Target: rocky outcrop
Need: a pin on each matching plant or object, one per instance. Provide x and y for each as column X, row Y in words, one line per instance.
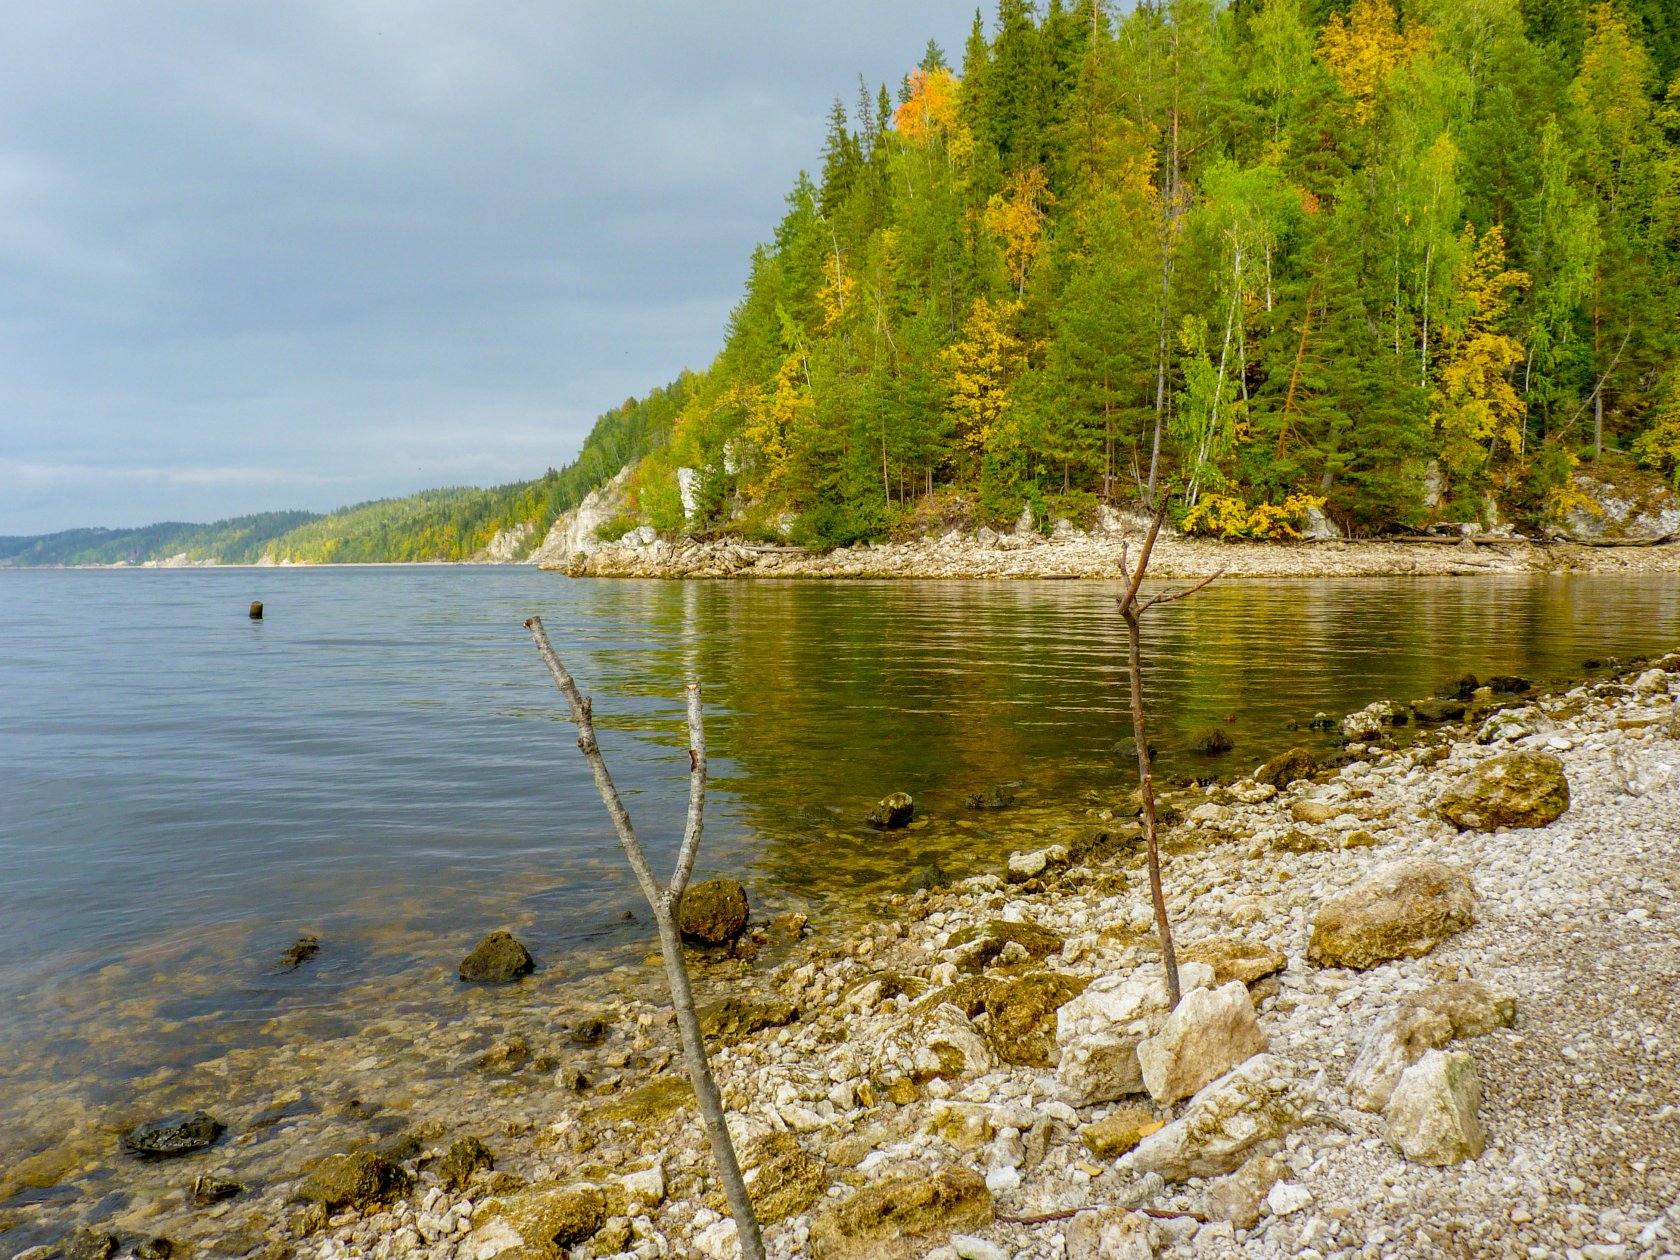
column 509, row 544
column 1433, row 1117
column 713, row 912
column 1515, row 789
column 1401, row 911
column 573, row 533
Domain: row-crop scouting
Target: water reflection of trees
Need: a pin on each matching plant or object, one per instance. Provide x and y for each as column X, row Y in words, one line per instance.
column 823, row 697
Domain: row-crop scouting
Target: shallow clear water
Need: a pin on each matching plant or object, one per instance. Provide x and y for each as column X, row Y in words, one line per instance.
column 383, row 762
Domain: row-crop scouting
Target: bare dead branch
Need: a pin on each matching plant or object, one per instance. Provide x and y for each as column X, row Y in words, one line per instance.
column 1168, row 597
column 665, row 903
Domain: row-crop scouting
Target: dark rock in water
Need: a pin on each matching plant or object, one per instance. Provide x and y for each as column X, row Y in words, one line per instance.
column 497, row 959
column 1285, row 768
column 209, row 1190
column 925, row 879
column 360, row 1179
column 892, row 812
column 1510, row 684
column 734, row 1018
column 590, row 1030
column 158, row 1248
column 1126, row 749
column 509, row 1056
column 574, row 1079
column 256, row 610
column 466, row 1157
column 1459, row 688
column 299, row 952
column 989, row 798
column 713, row 912
column 91, row 1244
column 402, row 1147
column 1322, row 721
column 177, row 1134
column 1438, row 710
column 1211, row 740
column 1096, row 844
column 1592, row 662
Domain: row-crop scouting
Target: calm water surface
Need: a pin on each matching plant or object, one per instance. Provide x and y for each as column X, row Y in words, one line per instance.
column 383, row 761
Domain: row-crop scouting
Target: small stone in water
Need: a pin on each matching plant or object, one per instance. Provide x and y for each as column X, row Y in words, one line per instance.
column 209, row 1190
column 178, row 1134
column 299, row 952
column 497, row 959
column 591, row 1030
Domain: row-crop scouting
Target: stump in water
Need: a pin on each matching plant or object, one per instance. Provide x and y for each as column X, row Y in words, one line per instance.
column 256, row 610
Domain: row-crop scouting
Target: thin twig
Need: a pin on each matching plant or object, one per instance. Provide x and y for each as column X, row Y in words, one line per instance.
column 1167, row 597
column 1044, row 1218
column 666, row 903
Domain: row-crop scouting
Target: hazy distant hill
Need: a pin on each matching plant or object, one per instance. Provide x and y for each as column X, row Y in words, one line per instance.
column 458, row 523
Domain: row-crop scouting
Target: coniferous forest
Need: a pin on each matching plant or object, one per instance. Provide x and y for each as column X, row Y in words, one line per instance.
column 1417, row 263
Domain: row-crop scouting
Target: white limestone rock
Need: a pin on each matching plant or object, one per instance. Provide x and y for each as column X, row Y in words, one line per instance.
column 1434, row 1114
column 1258, row 1101
column 1209, row 1033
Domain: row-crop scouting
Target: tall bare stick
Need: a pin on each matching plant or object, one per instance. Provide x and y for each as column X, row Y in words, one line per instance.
column 1132, row 611
column 665, row 903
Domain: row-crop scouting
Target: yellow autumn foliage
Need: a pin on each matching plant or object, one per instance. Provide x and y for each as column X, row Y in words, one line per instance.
column 1474, row 400
column 1018, row 221
column 1364, row 48
column 983, row 363
column 930, row 105
column 776, row 420
column 1229, row 517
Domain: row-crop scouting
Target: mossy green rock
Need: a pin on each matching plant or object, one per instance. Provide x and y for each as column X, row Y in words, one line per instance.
column 1286, row 767
column 733, row 1018
column 562, row 1218
column 782, row 1177
column 359, row 1179
column 980, row 945
column 902, row 1217
column 1401, row 911
column 1023, row 1015
column 1210, row 741
column 463, row 1159
column 1515, row 789
column 497, row 959
column 651, row 1102
column 713, row 912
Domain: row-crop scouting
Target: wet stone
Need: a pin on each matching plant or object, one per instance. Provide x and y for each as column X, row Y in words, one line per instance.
column 299, row 952
column 178, row 1134
column 892, row 812
column 590, row 1030
column 358, row 1180
column 713, row 912
column 497, row 959
column 92, row 1244
column 210, row 1190
column 733, row 1018
column 990, row 798
column 463, row 1159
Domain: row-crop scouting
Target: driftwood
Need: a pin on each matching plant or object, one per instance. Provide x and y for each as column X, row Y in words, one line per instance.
column 1132, row 611
column 665, row 902
column 1628, row 542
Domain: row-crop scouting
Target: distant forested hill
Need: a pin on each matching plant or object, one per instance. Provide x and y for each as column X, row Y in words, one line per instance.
column 448, row 524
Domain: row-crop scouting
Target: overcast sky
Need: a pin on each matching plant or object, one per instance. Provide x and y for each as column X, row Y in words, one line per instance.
column 307, row 252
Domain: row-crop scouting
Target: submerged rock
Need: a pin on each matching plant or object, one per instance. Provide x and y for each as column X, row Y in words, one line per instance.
column 180, row 1133
column 900, row 1218
column 1515, row 789
column 1210, row 741
column 209, row 1190
column 990, row 798
column 299, row 952
column 1403, row 910
column 713, row 912
column 497, row 959
column 892, row 812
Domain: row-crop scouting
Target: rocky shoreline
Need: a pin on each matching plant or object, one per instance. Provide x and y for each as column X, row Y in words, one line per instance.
column 1072, row 553
column 1426, row 1014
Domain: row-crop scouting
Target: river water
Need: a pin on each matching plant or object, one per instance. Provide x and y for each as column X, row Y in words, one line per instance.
column 383, row 761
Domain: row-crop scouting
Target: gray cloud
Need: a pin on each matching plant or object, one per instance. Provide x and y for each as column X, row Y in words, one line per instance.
column 299, row 254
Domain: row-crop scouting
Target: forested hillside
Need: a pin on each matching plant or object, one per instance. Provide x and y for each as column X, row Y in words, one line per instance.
column 1410, row 262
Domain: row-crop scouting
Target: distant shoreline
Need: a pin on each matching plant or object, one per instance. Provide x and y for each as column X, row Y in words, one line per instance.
column 1083, row 556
